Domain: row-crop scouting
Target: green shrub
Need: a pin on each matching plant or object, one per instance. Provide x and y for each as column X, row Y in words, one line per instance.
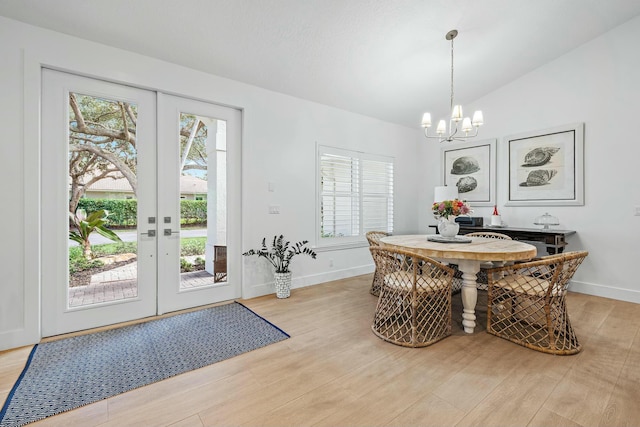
column 123, row 212
column 77, row 261
column 192, row 246
column 185, row 266
column 115, row 249
column 193, row 212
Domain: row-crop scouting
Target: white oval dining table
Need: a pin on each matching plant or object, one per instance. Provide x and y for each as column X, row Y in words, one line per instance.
column 468, row 257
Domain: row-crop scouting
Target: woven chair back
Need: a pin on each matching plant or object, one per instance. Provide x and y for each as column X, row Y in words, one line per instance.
column 414, row 307
column 570, row 263
column 527, row 303
column 373, row 237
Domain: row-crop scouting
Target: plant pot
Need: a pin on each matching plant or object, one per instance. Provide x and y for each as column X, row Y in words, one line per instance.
column 283, row 284
column 448, row 227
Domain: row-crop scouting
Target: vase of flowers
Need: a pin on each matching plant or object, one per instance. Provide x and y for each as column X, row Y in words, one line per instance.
column 446, row 213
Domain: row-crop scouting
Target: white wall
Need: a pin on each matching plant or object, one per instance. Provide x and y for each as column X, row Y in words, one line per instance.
column 598, row 84
column 279, row 139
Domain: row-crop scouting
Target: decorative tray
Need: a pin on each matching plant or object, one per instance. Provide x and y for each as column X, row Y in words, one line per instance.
column 456, row 239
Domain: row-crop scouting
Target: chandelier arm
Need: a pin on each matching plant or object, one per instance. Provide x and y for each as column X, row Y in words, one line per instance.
column 474, row 134
column 464, row 138
column 426, row 134
column 453, row 128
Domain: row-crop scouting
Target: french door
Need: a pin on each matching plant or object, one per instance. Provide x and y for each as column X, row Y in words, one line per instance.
column 203, row 143
column 138, row 203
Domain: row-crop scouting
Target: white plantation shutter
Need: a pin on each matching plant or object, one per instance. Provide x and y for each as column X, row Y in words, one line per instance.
column 340, row 192
column 377, row 196
column 355, row 195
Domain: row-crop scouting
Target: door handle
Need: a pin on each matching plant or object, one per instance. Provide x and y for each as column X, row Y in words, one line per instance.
column 150, row 233
column 168, row 232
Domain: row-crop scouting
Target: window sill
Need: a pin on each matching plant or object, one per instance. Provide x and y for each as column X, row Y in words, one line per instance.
column 341, row 246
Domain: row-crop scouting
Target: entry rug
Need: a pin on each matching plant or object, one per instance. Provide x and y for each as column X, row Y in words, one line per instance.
column 72, row 372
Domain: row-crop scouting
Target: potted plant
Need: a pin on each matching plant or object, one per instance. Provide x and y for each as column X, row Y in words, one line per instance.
column 280, row 255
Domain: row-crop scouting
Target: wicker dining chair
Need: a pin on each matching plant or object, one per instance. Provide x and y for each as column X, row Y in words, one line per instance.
column 526, row 303
column 414, row 308
column 482, row 275
column 373, row 237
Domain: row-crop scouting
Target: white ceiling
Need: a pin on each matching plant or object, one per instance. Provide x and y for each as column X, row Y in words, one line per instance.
column 382, row 58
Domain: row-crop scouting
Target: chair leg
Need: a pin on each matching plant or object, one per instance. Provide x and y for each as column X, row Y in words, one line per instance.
column 376, row 285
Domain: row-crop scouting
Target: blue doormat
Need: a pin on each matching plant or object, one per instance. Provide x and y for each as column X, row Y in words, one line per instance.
column 72, row 372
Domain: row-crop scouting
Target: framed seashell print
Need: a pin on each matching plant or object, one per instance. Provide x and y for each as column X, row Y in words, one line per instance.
column 546, row 168
column 472, row 168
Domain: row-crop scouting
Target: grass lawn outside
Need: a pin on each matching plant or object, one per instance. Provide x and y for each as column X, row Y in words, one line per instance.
column 79, row 266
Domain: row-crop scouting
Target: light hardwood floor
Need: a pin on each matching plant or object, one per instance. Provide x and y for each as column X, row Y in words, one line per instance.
column 334, row 372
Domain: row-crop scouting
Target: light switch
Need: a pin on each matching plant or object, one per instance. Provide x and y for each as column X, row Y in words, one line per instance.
column 274, row 209
column 272, row 187
column 637, row 211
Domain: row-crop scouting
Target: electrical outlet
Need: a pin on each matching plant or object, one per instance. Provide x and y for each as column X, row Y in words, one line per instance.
column 637, row 211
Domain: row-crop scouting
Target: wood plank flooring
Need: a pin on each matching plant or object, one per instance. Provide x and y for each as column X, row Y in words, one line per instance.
column 334, row 372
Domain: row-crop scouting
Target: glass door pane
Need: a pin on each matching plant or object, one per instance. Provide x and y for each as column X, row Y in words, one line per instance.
column 102, row 200
column 203, row 201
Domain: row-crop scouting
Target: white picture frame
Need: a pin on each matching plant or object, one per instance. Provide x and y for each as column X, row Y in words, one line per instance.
column 546, row 167
column 472, row 168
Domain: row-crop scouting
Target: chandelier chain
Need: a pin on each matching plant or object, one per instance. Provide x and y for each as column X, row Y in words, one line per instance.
column 451, row 107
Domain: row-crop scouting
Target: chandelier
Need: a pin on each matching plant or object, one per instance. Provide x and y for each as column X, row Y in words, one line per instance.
column 468, row 126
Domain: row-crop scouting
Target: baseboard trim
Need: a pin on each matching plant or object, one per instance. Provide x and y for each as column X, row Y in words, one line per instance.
column 17, row 338
column 310, row 280
column 612, row 292
column 258, row 290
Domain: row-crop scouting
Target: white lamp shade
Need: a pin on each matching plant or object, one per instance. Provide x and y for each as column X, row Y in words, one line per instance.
column 478, row 119
column 442, row 127
column 426, row 120
column 466, row 125
column 456, row 114
column 445, row 192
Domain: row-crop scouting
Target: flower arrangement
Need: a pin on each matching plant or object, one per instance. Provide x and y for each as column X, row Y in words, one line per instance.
column 448, row 208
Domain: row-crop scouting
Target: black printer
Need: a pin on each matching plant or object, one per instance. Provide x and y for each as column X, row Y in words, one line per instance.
column 471, row 221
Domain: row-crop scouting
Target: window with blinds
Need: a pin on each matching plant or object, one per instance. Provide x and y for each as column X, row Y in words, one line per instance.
column 355, row 194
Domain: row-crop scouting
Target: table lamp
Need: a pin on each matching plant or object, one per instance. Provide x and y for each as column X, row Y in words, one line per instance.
column 445, row 192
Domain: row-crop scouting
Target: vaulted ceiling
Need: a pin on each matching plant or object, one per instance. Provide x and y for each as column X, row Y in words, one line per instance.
column 382, row 58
